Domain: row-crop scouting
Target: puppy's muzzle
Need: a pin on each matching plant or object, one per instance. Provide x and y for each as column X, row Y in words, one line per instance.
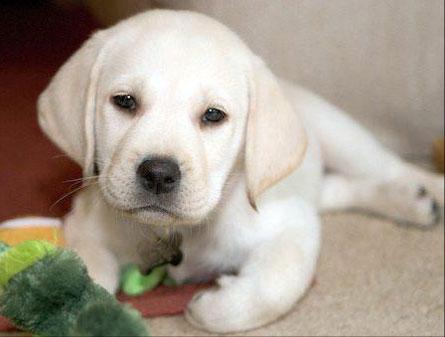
column 159, row 175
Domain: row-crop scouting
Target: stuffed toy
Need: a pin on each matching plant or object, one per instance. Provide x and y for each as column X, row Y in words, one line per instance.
column 46, row 290
column 134, row 283
column 18, row 230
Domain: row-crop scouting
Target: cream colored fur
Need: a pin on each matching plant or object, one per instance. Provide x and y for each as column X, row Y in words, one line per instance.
column 270, row 154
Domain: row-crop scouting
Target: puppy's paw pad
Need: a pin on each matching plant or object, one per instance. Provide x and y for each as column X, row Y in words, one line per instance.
column 421, row 192
column 411, row 204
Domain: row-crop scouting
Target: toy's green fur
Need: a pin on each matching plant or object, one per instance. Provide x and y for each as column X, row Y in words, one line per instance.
column 20, row 257
column 55, row 297
column 95, row 321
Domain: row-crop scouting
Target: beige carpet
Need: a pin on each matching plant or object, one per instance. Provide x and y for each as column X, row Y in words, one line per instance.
column 374, row 278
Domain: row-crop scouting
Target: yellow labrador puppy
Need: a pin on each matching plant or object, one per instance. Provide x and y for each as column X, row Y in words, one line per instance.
column 182, row 127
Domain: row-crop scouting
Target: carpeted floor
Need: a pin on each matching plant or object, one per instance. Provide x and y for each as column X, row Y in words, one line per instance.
column 374, row 279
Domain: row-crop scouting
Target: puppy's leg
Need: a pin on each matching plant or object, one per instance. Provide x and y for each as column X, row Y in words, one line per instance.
column 83, row 234
column 397, row 200
column 367, row 174
column 347, row 147
column 276, row 274
column 100, row 262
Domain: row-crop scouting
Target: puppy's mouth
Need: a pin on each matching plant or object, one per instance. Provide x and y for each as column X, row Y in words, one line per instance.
column 153, row 209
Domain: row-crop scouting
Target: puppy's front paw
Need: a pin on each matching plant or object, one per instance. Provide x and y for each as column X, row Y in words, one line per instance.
column 220, row 310
column 201, row 311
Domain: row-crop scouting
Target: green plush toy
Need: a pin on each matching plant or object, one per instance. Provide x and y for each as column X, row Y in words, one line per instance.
column 134, row 283
column 46, row 290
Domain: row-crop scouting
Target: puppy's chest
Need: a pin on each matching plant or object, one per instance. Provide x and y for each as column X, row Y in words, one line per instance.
column 218, row 247
column 213, row 250
column 145, row 247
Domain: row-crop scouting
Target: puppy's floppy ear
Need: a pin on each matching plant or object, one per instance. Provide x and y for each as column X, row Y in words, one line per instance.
column 275, row 139
column 66, row 108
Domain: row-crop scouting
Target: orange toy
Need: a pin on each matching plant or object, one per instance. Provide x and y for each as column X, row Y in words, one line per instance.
column 31, row 228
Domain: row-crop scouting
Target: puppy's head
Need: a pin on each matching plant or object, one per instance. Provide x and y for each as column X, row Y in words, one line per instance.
column 163, row 106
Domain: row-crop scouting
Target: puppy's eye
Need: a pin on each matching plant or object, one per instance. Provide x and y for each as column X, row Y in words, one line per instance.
column 125, row 101
column 213, row 115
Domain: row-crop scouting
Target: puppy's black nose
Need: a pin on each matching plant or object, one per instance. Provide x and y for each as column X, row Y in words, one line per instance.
column 159, row 175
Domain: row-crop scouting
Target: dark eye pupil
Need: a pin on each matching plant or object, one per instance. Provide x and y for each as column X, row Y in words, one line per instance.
column 213, row 115
column 125, row 102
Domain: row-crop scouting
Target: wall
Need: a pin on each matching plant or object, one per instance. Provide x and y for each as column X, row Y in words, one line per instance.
column 381, row 60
